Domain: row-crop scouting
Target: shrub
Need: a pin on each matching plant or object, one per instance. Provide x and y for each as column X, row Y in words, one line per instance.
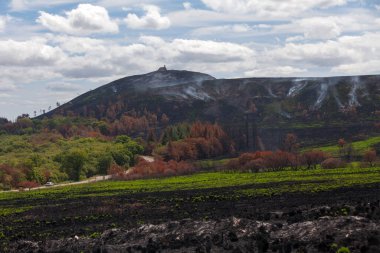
column 28, row 184
column 332, row 163
column 158, row 168
column 255, row 165
column 264, row 160
column 116, row 170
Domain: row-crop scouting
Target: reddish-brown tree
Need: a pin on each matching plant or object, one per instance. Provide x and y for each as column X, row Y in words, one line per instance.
column 370, row 157
column 314, row 157
column 28, row 184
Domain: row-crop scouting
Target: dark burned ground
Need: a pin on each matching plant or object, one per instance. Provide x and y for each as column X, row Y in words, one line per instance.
column 200, row 221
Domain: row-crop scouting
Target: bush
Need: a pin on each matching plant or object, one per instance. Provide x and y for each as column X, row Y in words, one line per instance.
column 264, row 160
column 158, row 168
column 343, row 250
column 333, row 163
column 116, row 171
column 28, row 184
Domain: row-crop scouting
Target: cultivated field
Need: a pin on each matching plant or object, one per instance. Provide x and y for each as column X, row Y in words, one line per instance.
column 88, row 210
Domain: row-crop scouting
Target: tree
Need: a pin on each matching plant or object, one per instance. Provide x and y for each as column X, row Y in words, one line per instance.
column 341, row 143
column 73, row 163
column 28, row 184
column 314, row 157
column 370, row 157
column 290, row 143
column 104, row 163
column 164, row 119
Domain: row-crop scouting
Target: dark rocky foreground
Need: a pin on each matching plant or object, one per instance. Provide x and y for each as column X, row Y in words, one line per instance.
column 319, row 229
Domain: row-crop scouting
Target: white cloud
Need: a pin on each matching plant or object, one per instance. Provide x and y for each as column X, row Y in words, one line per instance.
column 3, row 21
column 6, row 85
column 62, row 87
column 29, row 53
column 187, row 5
column 323, row 54
column 359, row 68
column 320, row 28
column 123, row 3
column 271, row 8
column 4, row 95
column 78, row 45
column 212, row 30
column 151, row 20
column 151, row 52
column 21, row 5
column 230, row 30
column 377, row 7
column 85, row 19
column 339, row 55
column 275, row 71
column 328, row 27
column 294, row 38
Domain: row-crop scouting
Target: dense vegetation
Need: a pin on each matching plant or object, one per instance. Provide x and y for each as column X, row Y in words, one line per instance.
column 34, row 151
column 43, row 157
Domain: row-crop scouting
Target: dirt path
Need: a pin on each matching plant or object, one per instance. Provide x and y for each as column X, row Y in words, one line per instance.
column 90, row 180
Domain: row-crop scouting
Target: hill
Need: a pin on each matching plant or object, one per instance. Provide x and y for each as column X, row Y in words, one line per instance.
column 256, row 112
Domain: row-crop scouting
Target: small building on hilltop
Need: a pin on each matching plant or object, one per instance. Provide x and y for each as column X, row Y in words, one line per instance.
column 162, row 69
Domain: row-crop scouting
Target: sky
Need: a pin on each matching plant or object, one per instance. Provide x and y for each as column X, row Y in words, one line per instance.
column 52, row 51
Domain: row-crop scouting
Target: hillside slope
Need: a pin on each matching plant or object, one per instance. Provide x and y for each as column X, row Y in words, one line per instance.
column 290, row 103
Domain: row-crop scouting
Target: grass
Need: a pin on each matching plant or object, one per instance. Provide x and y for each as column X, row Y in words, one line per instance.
column 265, row 183
column 359, row 146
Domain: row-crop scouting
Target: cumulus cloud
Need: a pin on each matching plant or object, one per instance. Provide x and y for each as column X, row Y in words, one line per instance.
column 315, row 28
column 271, row 8
column 151, row 20
column 84, row 20
column 328, row 27
column 78, row 45
column 337, row 54
column 320, row 28
column 28, row 53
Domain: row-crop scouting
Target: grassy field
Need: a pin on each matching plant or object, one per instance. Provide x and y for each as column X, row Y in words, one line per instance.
column 261, row 183
column 359, row 146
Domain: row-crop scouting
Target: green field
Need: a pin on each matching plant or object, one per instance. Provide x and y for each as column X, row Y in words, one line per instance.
column 265, row 183
column 359, row 146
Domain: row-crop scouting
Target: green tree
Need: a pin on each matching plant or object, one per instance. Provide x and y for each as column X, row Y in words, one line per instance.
column 73, row 163
column 104, row 163
column 121, row 156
